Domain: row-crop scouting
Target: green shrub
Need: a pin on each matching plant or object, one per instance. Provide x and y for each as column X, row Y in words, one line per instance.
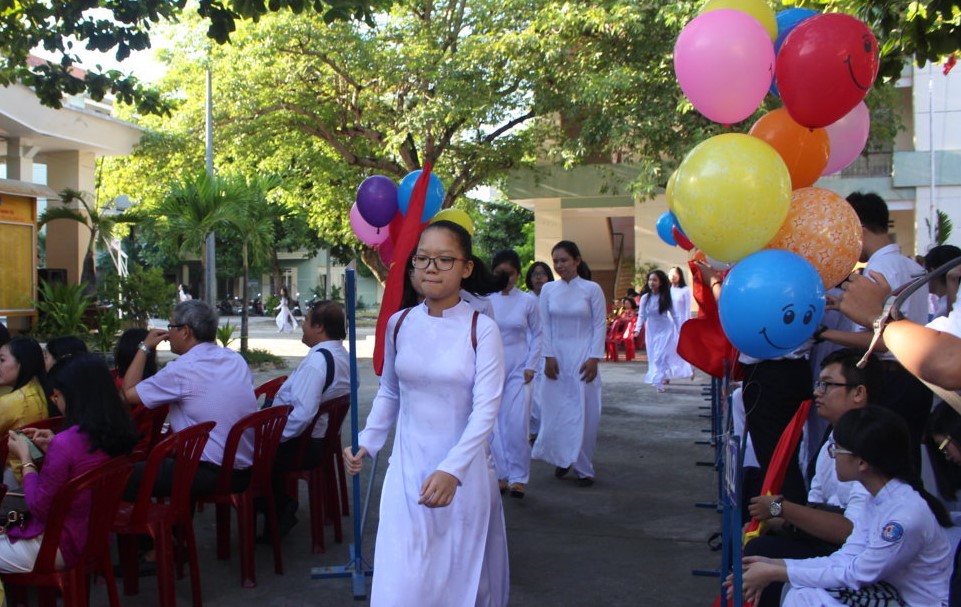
column 256, row 356
column 225, row 334
column 61, row 309
column 142, row 295
column 108, row 325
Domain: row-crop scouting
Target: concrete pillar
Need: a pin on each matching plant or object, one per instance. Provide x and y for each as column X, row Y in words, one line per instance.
column 549, row 228
column 67, row 240
column 19, row 160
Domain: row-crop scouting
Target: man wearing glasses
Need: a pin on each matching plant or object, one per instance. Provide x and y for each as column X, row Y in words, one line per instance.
column 206, row 383
column 822, row 526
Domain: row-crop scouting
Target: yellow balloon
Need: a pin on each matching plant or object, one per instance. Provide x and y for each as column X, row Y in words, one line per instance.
column 732, row 194
column 669, row 190
column 457, row 216
column 758, row 9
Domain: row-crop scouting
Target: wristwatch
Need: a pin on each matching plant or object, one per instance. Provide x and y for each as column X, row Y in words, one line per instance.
column 776, row 507
column 144, row 348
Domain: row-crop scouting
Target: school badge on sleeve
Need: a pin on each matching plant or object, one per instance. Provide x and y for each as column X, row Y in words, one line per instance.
column 892, row 532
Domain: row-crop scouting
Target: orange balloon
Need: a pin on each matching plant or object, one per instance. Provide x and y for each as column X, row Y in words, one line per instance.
column 822, row 228
column 805, row 151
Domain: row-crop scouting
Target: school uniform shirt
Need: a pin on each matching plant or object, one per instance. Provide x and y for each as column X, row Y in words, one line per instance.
column 206, row 383
column 897, row 540
column 898, row 270
column 444, row 397
column 304, row 388
column 519, row 322
column 827, row 489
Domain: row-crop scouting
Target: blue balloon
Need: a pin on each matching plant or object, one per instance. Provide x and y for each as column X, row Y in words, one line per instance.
column 664, row 224
column 787, row 20
column 432, row 201
column 771, row 303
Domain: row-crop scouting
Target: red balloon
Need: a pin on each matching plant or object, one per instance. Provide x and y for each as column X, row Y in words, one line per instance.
column 825, row 67
column 395, row 226
column 681, row 239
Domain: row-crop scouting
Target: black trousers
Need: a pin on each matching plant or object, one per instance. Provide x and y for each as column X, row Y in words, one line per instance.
column 784, row 547
column 205, row 481
column 285, row 462
column 772, row 391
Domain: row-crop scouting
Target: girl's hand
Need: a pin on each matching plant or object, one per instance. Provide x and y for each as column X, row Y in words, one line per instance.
column 438, row 490
column 18, row 446
column 40, row 438
column 589, row 370
column 528, row 375
column 550, row 367
column 354, row 463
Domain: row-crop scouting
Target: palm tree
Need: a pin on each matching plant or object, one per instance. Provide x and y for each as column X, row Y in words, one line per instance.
column 252, row 221
column 101, row 221
column 194, row 208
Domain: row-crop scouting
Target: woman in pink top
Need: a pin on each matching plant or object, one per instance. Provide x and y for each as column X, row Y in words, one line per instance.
column 97, row 427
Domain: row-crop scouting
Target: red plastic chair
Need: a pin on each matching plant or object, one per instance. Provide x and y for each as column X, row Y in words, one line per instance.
column 268, row 427
column 104, row 484
column 322, row 480
column 269, row 389
column 159, row 520
column 149, row 424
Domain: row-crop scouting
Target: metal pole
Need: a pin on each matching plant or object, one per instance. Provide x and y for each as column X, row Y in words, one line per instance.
column 211, row 249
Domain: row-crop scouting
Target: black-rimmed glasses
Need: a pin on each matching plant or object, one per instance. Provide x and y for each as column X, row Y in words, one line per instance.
column 943, row 446
column 441, row 262
column 834, row 450
column 822, row 386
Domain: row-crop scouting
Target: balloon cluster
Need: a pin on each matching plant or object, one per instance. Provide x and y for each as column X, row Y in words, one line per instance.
column 381, row 204
column 747, row 199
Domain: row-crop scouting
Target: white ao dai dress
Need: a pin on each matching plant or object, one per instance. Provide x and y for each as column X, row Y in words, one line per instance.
column 444, row 397
column 573, row 329
column 519, row 321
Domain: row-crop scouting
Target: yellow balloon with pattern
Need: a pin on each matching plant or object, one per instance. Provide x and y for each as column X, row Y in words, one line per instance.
column 669, row 190
column 732, row 194
column 457, row 216
column 758, row 9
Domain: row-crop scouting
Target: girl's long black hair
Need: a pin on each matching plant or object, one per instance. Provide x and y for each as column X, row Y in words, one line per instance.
column 664, row 301
column 93, row 404
column 528, row 279
column 481, row 280
column 881, row 438
column 29, row 354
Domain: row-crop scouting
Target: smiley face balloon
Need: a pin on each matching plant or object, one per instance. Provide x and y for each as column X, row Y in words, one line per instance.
column 771, row 303
column 825, row 68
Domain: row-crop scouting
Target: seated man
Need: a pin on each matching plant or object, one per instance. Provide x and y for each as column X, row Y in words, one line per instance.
column 322, row 375
column 819, row 528
column 206, row 383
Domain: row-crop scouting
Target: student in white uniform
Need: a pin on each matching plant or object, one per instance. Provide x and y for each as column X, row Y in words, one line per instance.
column 574, row 326
column 821, row 526
column 897, row 553
column 441, row 540
column 519, row 321
column 538, row 275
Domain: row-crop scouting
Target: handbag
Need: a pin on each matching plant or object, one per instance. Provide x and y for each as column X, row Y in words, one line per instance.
column 17, row 514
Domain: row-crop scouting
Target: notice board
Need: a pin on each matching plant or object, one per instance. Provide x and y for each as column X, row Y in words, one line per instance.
column 18, row 255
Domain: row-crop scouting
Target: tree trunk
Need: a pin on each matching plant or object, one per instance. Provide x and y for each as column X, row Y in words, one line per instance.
column 88, row 275
column 371, row 259
column 275, row 276
column 243, row 314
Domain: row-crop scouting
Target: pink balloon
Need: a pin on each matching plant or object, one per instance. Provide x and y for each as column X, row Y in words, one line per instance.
column 724, row 62
column 848, row 136
column 367, row 233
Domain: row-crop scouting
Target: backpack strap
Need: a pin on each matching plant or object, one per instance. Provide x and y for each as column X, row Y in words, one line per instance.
column 473, row 330
column 327, row 382
column 400, row 321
